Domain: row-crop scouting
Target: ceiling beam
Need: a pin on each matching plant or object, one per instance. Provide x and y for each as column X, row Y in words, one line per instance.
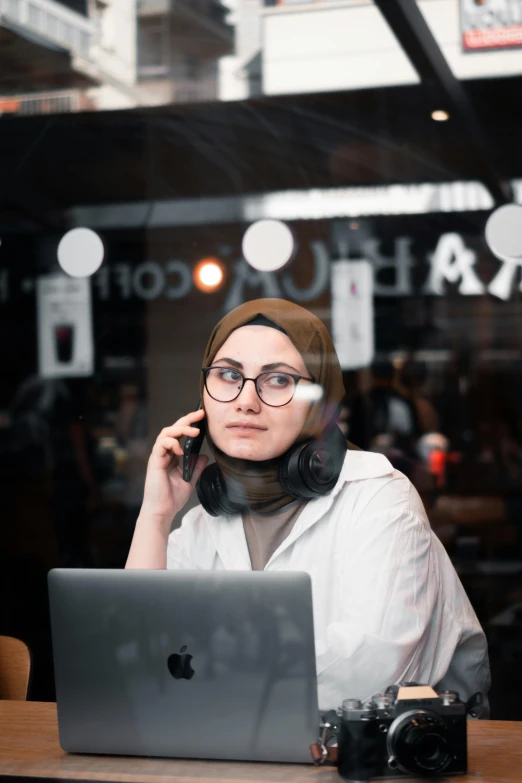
column 409, row 26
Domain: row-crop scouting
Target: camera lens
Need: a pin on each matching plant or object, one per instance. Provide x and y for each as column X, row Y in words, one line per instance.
column 418, row 742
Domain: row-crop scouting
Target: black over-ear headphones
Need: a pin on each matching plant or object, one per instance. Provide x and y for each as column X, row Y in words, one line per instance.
column 307, row 470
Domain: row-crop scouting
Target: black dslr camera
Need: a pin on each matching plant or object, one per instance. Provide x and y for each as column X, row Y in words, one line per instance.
column 408, row 730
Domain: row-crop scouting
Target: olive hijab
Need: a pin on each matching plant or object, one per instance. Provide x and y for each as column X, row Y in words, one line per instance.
column 256, row 484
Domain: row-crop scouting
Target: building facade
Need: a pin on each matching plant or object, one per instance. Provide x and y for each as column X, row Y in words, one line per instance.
column 301, row 46
column 109, row 54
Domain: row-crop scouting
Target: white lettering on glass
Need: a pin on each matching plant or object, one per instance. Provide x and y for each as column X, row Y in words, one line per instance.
column 452, row 261
column 320, row 279
column 246, row 276
column 148, row 280
column 401, row 263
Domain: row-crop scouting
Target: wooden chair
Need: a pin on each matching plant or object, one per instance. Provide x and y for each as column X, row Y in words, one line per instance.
column 15, row 668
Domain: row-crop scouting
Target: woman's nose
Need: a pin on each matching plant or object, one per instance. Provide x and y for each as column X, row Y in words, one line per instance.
column 248, row 396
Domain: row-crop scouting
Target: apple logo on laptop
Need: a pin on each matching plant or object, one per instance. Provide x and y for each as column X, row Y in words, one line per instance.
column 179, row 665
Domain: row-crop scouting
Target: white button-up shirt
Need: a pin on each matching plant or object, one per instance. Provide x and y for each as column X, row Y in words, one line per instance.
column 388, row 604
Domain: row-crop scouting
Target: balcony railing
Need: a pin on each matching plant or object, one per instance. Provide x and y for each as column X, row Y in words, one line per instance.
column 154, row 7
column 50, row 20
column 53, row 102
column 194, row 90
column 212, row 9
column 209, row 10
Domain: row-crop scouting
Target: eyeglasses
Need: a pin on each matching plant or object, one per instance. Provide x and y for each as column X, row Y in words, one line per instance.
column 225, row 384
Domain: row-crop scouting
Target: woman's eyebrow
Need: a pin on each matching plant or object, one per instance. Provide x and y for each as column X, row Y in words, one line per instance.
column 275, row 365
column 233, row 362
column 264, row 368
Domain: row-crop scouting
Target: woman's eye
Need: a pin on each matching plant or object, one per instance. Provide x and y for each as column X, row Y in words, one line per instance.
column 281, row 381
column 230, row 375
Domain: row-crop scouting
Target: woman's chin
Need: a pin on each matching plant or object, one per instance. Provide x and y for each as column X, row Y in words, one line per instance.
column 248, row 448
column 244, row 449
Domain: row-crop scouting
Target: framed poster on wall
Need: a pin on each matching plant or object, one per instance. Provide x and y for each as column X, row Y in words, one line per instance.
column 353, row 313
column 64, row 318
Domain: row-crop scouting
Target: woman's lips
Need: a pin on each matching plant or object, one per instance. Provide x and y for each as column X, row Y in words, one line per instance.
column 245, row 429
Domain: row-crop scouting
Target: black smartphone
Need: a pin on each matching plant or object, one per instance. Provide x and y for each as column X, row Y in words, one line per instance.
column 191, row 449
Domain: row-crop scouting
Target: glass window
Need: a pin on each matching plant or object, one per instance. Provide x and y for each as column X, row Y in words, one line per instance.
column 383, row 136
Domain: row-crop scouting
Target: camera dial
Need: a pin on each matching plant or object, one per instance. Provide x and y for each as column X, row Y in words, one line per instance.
column 355, row 710
column 383, row 701
column 449, row 697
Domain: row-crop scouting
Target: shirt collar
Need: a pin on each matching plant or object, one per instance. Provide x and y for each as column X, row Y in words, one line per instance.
column 228, row 533
column 359, row 465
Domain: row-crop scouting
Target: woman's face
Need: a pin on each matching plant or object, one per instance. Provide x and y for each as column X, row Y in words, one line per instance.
column 247, row 428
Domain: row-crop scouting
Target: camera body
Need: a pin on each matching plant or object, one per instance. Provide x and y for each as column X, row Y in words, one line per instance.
column 407, row 730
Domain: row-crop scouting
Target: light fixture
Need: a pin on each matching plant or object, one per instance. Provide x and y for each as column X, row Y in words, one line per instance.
column 440, row 115
column 80, row 252
column 268, row 245
column 209, row 275
column 504, row 231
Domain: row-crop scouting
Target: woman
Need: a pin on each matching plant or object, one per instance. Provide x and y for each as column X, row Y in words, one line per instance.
column 388, row 605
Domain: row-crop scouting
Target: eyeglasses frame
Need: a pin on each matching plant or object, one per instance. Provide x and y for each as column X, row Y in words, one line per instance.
column 295, row 376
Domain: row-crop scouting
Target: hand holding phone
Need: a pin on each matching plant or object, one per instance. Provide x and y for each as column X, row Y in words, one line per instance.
column 166, row 488
column 191, row 449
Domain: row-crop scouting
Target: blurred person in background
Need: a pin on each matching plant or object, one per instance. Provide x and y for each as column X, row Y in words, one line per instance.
column 131, row 433
column 49, row 437
column 412, row 383
column 384, row 419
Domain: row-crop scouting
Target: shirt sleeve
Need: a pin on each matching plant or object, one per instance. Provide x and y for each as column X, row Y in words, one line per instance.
column 388, row 591
column 178, row 545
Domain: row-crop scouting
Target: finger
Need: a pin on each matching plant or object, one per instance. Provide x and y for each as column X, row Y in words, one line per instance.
column 201, row 464
column 191, row 417
column 165, row 444
column 177, row 431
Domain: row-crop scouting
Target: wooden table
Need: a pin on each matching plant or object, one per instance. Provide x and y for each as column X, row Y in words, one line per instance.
column 29, row 748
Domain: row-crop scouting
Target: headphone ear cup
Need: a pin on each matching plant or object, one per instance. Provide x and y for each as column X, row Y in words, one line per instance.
column 212, row 493
column 210, row 489
column 290, row 472
column 312, row 468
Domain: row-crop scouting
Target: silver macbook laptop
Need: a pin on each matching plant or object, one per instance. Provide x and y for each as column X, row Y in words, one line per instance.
column 194, row 664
